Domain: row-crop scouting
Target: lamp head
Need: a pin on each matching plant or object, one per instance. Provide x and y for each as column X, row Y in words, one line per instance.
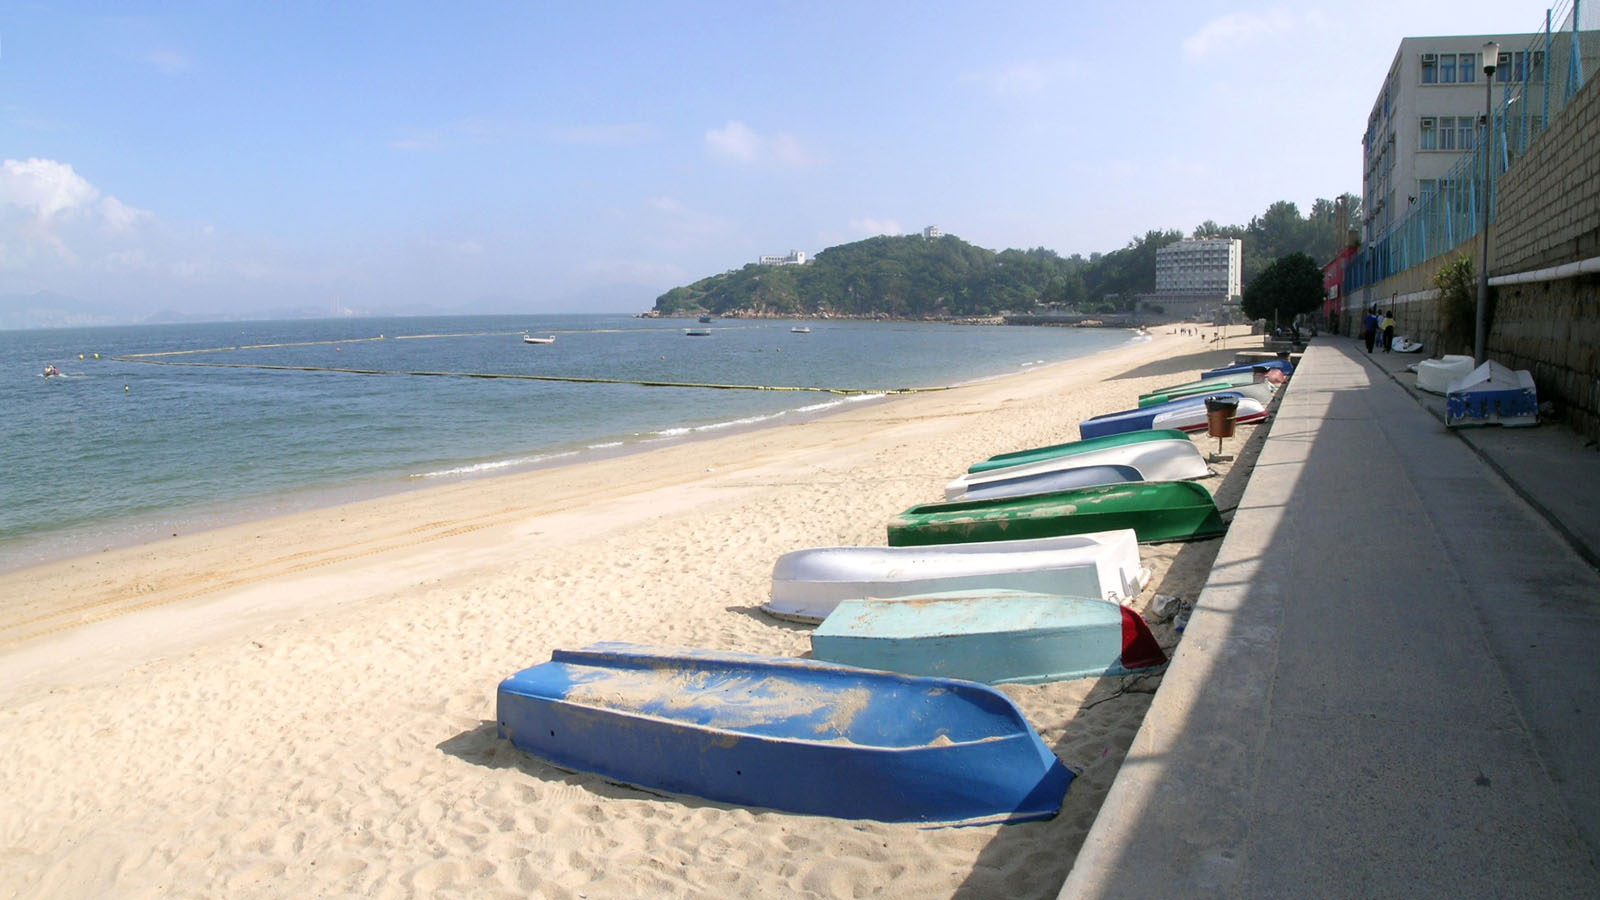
column 1491, row 57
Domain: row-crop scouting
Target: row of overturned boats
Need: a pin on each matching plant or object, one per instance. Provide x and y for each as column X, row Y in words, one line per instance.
column 1022, row 574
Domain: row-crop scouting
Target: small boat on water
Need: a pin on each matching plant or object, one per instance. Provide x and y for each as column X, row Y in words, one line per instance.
column 1492, row 394
column 1435, row 375
column 1168, row 456
column 1184, row 414
column 530, row 339
column 705, row 320
column 50, row 371
column 697, row 332
column 789, row 734
column 799, row 329
column 808, row 584
column 1155, row 510
column 992, row 636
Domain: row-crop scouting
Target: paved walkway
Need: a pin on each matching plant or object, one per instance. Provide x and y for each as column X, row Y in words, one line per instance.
column 1391, row 684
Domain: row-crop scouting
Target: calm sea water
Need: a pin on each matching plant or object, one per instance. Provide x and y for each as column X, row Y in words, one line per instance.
column 116, row 451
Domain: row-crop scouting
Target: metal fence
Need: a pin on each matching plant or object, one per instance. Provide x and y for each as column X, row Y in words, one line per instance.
column 1532, row 84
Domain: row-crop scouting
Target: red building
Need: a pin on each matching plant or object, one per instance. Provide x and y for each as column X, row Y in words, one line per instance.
column 1333, row 290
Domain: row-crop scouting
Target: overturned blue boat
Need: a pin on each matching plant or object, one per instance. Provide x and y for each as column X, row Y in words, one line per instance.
column 788, row 734
column 1183, row 414
column 1281, row 365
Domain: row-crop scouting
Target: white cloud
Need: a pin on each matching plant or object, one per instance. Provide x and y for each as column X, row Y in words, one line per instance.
column 739, row 144
column 44, row 187
column 682, row 228
column 1234, row 31
column 1026, row 78
column 49, row 214
column 601, row 134
column 874, row 227
column 170, row 62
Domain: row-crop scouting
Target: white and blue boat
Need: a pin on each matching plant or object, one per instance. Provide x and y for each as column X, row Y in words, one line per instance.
column 808, row 584
column 789, row 734
column 1492, row 394
column 1047, row 482
column 996, row 637
column 1168, row 456
column 1184, row 414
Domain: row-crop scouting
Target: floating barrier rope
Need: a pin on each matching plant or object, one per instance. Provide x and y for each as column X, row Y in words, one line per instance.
column 159, row 359
column 575, row 379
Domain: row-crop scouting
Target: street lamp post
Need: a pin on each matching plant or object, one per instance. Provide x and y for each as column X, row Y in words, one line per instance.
column 1491, row 59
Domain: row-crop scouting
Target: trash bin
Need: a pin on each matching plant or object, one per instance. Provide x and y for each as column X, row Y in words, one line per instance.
column 1221, row 415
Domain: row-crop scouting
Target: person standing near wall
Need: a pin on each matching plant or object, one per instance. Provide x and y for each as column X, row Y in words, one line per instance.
column 1369, row 327
column 1388, row 330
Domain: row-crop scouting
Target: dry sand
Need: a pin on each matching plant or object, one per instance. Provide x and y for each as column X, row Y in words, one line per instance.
column 304, row 705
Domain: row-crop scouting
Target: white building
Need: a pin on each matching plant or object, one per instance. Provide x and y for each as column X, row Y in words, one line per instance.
column 1426, row 115
column 1200, row 266
column 931, row 232
column 795, row 258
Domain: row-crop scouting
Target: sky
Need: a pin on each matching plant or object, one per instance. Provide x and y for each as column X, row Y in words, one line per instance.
column 546, row 157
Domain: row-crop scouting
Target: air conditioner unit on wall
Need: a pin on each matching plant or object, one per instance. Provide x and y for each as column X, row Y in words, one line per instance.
column 1429, row 59
column 1505, row 59
column 1428, row 123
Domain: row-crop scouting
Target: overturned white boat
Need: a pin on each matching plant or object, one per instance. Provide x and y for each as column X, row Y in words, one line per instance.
column 1435, row 375
column 808, row 584
column 1177, row 459
column 1492, row 394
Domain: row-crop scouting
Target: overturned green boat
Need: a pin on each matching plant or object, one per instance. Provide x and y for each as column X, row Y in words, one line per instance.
column 1156, row 511
column 1075, row 448
column 1190, row 388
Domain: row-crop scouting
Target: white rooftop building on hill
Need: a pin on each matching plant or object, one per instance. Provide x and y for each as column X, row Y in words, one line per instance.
column 795, row 258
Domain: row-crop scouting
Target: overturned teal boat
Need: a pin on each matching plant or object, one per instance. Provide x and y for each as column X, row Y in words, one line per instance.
column 1156, row 511
column 789, row 734
column 1173, row 392
column 992, row 636
column 1074, row 448
column 1257, row 390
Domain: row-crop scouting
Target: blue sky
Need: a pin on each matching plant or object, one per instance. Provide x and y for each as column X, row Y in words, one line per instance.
column 573, row 157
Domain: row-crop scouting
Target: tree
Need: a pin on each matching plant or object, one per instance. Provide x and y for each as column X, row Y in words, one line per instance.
column 1291, row 286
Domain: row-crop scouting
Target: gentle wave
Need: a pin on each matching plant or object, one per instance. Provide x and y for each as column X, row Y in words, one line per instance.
column 479, row 468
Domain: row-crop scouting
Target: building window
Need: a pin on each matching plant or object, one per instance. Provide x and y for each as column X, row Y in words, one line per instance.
column 1447, row 134
column 1468, row 72
column 1464, row 132
column 1430, row 69
column 1447, row 68
column 1430, row 134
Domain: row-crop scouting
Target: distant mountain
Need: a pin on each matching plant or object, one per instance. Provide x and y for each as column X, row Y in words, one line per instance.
column 47, row 309
column 901, row 277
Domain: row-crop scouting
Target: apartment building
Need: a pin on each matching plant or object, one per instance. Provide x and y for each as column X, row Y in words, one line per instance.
column 1426, row 115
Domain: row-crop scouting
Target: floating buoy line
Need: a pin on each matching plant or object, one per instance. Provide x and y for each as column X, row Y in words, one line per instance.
column 163, row 358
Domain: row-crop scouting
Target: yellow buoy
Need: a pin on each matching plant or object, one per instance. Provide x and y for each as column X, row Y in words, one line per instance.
column 97, row 356
column 124, row 388
column 80, row 356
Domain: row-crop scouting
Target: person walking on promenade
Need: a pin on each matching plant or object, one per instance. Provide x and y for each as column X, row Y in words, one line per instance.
column 1369, row 327
column 1388, row 330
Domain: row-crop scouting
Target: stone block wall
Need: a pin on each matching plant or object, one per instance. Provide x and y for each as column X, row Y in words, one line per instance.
column 1549, row 214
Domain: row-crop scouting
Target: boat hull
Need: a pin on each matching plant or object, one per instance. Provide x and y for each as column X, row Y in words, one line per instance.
column 787, row 734
column 1183, row 414
column 1169, row 457
column 1197, row 418
column 1259, row 390
column 996, row 637
column 807, row 585
column 1436, row 375
column 1049, row 482
column 1071, row 448
column 1281, row 365
column 1492, row 394
column 1155, row 510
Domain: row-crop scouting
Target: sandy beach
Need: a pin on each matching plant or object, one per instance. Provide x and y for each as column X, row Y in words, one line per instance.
column 303, row 705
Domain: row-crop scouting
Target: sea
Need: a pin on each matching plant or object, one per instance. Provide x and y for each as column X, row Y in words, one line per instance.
column 154, row 430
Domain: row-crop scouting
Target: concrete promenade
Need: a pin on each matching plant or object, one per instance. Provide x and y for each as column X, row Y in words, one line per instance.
column 1390, row 686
